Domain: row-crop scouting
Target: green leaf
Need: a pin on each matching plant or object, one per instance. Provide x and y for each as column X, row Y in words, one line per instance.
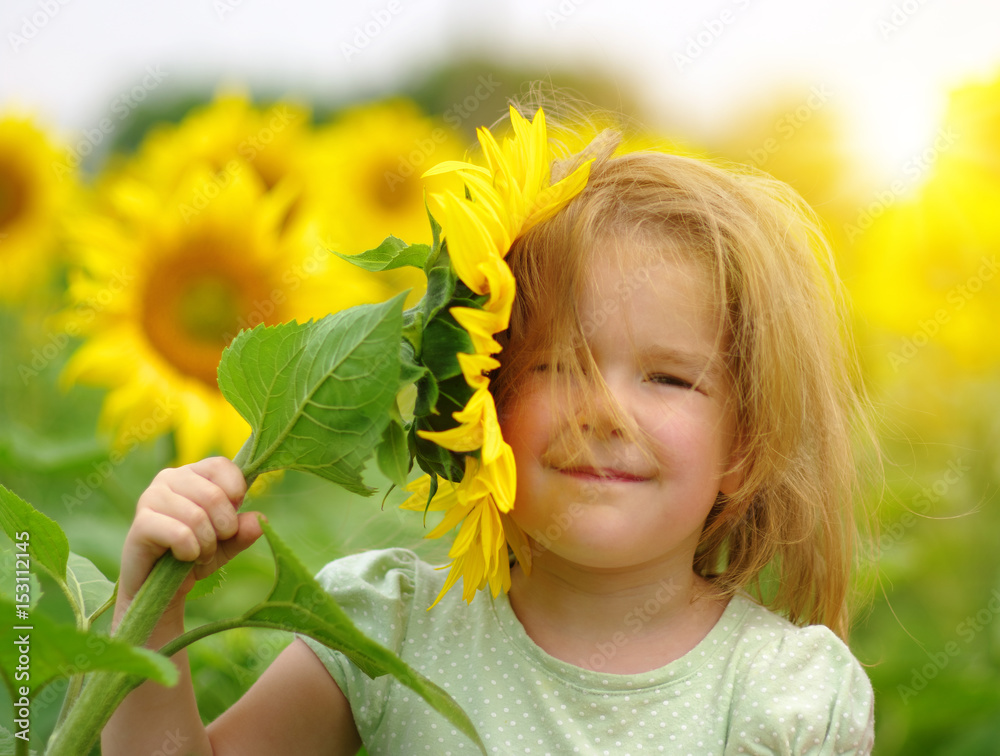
column 298, row 603
column 62, row 651
column 441, row 282
column 451, row 396
column 435, row 230
column 410, row 371
column 46, row 541
column 427, row 395
column 206, row 586
column 393, row 454
column 87, row 586
column 392, row 253
column 443, row 340
column 317, row 395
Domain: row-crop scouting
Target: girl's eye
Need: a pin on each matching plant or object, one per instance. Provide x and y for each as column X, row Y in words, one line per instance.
column 548, row 367
column 665, row 379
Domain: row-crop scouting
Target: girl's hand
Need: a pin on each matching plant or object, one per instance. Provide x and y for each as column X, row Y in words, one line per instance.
column 191, row 511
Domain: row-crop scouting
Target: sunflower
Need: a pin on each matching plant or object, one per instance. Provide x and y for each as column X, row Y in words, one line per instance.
column 365, row 178
column 367, row 164
column 502, row 200
column 32, row 196
column 268, row 139
column 178, row 256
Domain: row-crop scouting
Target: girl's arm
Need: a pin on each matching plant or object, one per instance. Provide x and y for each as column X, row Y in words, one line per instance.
column 295, row 707
column 191, row 510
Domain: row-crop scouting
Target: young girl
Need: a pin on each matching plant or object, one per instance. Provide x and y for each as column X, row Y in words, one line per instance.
column 680, row 403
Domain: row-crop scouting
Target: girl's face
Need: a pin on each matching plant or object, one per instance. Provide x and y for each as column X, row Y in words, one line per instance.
column 640, row 490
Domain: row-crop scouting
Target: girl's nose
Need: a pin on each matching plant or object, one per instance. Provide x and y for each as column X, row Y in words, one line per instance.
column 598, row 412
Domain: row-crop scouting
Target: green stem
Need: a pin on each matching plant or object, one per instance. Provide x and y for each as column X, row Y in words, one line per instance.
column 103, row 691
column 211, row 628
column 242, row 458
column 72, row 692
column 203, row 631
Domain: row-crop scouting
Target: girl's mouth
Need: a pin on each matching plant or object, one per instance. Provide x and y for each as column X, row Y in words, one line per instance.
column 603, row 474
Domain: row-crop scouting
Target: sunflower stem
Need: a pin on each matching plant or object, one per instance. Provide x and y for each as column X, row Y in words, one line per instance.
column 103, row 691
column 242, row 461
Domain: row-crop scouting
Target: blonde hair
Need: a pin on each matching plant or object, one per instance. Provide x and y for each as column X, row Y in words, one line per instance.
column 788, row 534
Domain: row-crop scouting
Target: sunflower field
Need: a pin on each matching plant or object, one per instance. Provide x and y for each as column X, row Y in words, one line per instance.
column 126, row 271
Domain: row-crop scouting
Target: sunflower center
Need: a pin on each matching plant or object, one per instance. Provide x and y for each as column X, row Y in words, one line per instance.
column 208, row 308
column 13, row 192
column 390, row 190
column 196, row 303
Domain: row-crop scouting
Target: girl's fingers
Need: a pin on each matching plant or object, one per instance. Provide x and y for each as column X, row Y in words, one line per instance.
column 225, row 474
column 152, row 534
column 216, row 500
column 247, row 534
column 187, row 514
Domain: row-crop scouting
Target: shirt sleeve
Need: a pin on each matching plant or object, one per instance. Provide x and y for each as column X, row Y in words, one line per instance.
column 375, row 589
column 802, row 695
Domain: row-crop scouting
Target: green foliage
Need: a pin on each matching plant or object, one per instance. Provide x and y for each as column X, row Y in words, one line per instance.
column 317, row 395
column 390, row 254
column 62, row 650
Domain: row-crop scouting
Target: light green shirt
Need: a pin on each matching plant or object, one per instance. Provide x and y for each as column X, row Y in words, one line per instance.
column 756, row 684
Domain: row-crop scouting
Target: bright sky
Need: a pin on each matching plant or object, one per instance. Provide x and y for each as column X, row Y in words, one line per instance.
column 888, row 62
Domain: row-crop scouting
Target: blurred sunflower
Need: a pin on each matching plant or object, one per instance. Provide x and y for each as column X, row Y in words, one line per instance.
column 501, row 201
column 366, row 168
column 177, row 256
column 928, row 267
column 269, row 139
column 32, row 197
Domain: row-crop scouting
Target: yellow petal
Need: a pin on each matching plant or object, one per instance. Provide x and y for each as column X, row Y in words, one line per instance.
column 502, row 291
column 518, row 541
column 552, row 199
column 469, row 241
column 481, row 326
column 447, row 166
column 474, row 365
column 445, row 498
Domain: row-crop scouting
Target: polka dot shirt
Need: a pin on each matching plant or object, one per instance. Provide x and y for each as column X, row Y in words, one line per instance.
column 756, row 684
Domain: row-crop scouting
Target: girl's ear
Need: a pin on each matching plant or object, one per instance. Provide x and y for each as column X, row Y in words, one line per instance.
column 735, row 472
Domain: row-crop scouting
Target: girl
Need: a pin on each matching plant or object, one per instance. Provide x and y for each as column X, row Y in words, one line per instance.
column 680, row 403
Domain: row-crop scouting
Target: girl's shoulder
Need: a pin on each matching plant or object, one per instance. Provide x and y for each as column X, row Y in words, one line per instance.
column 381, row 583
column 762, row 637
column 800, row 684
